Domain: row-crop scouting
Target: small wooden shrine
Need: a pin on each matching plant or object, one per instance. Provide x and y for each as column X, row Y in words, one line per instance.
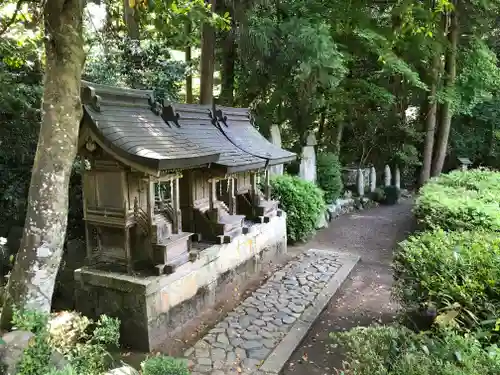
column 237, row 125
column 132, row 166
column 211, row 207
column 158, row 175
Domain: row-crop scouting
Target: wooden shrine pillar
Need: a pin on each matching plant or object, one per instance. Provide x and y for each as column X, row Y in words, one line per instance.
column 267, row 185
column 254, row 188
column 174, row 189
column 212, row 193
column 231, row 186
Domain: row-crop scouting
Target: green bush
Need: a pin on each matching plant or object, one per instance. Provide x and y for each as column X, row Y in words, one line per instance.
column 395, row 350
column 162, row 365
column 329, row 176
column 303, row 203
column 391, row 195
column 461, row 200
column 450, row 270
column 82, row 342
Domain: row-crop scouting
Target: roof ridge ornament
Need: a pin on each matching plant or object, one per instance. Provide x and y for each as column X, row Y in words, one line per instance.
column 168, row 114
column 89, row 97
column 156, row 106
column 221, row 117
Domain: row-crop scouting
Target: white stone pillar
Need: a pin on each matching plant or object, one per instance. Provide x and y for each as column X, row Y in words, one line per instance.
column 308, row 162
column 373, row 179
column 360, row 182
column 397, row 178
column 275, row 139
column 387, row 176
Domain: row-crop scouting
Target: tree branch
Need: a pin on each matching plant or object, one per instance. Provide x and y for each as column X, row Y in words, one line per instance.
column 13, row 18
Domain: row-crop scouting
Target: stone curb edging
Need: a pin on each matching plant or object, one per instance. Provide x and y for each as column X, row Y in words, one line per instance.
column 275, row 362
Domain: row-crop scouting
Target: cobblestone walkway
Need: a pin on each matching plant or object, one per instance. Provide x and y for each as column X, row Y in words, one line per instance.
column 245, row 338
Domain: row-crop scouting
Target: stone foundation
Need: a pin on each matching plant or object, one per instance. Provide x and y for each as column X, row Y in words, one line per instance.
column 155, row 309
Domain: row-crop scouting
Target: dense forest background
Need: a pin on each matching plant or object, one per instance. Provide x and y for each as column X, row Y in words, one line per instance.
column 401, row 82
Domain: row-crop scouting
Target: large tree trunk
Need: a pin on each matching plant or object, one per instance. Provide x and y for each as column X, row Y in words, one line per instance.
column 189, row 76
column 130, row 20
column 339, row 131
column 446, row 109
column 32, row 280
column 228, row 63
column 207, row 61
column 430, row 120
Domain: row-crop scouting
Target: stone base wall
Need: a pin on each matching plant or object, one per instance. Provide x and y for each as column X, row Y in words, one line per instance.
column 155, row 309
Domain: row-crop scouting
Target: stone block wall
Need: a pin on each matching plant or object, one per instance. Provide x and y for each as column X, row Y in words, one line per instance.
column 155, row 309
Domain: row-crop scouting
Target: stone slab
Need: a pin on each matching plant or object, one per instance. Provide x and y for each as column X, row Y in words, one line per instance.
column 284, row 350
column 259, row 335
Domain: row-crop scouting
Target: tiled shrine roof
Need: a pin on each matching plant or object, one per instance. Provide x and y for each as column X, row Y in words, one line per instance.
column 130, row 124
column 237, row 125
column 196, row 122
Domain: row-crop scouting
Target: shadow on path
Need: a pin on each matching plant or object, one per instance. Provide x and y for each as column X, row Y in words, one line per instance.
column 364, row 298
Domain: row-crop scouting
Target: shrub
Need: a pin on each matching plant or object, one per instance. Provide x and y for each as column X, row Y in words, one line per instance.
column 329, row 176
column 395, row 350
column 391, row 195
column 461, row 200
column 162, row 365
column 302, row 201
column 82, row 342
column 450, row 270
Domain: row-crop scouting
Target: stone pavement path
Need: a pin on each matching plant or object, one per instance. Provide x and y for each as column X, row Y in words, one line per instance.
column 246, row 337
column 365, row 297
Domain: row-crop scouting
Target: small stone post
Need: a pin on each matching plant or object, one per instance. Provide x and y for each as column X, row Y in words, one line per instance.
column 397, row 178
column 308, row 162
column 360, row 182
column 373, row 179
column 387, row 176
column 275, row 139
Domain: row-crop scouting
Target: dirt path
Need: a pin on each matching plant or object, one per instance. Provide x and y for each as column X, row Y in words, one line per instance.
column 365, row 296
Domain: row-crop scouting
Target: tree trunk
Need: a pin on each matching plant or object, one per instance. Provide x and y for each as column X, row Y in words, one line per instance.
column 189, row 77
column 32, row 280
column 430, row 120
column 207, row 61
column 339, row 131
column 228, row 63
column 130, row 20
column 446, row 109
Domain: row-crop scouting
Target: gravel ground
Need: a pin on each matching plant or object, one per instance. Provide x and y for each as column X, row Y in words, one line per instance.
column 364, row 298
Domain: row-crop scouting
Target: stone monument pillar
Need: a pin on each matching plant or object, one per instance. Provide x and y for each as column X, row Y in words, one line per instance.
column 308, row 162
column 373, row 179
column 275, row 139
column 397, row 178
column 360, row 182
column 387, row 176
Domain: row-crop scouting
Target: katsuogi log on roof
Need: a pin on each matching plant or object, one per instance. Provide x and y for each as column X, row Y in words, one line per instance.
column 197, row 123
column 128, row 123
column 236, row 124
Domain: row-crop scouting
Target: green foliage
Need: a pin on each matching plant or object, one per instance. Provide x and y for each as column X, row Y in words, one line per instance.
column 329, row 175
column 391, row 195
column 450, row 270
column 85, row 344
column 395, row 350
column 461, row 200
column 36, row 357
column 68, row 370
column 303, row 203
column 145, row 64
column 82, row 342
column 162, row 365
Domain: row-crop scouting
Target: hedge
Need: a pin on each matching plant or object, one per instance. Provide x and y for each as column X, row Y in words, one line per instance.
column 461, row 201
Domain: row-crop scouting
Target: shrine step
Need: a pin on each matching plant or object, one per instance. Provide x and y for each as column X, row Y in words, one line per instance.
column 267, row 208
column 174, row 250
